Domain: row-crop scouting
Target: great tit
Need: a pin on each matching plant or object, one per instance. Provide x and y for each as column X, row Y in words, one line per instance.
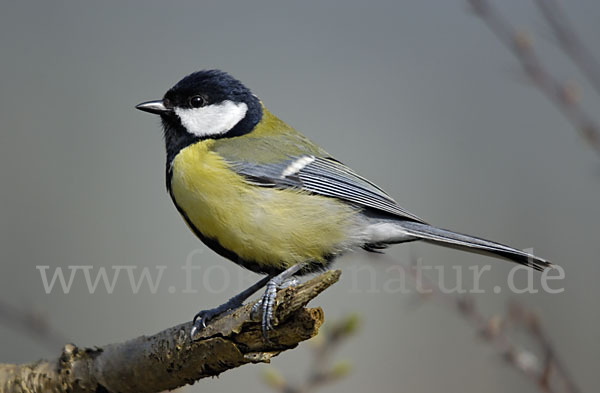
column 261, row 194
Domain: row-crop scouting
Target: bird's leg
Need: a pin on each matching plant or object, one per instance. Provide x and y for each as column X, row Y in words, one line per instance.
column 204, row 316
column 290, row 282
column 265, row 304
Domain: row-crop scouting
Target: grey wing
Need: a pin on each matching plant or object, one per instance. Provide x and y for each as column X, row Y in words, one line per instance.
column 323, row 176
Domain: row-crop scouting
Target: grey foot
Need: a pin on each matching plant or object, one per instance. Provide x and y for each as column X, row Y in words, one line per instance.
column 265, row 303
column 203, row 317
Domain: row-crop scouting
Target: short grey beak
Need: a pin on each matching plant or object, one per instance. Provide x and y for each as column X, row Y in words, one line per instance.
column 155, row 107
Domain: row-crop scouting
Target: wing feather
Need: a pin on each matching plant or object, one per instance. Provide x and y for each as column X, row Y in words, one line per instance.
column 323, row 176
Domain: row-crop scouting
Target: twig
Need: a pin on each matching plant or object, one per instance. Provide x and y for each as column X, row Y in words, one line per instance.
column 536, row 330
column 170, row 359
column 31, row 323
column 493, row 331
column 563, row 95
column 569, row 42
column 321, row 372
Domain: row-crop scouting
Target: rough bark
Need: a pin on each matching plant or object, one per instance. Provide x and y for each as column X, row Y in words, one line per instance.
column 170, row 359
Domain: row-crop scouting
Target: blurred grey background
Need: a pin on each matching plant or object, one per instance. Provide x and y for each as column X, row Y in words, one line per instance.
column 418, row 96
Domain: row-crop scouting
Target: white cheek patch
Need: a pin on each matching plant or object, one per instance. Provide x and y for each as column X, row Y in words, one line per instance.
column 212, row 120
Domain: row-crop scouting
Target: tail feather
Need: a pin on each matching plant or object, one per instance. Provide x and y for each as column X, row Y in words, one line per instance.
column 457, row 240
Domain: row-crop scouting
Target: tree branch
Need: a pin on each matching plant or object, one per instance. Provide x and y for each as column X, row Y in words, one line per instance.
column 170, row 359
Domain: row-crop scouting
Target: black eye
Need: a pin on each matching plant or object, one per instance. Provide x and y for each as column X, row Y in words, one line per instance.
column 198, row 101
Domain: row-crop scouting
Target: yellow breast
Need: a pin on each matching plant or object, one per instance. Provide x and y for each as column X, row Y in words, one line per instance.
column 267, row 226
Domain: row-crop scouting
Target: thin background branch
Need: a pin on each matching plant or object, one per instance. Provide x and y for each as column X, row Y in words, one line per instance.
column 321, row 371
column 569, row 41
column 563, row 95
column 546, row 370
column 31, row 323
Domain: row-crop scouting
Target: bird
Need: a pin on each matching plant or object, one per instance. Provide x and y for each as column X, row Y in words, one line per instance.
column 264, row 196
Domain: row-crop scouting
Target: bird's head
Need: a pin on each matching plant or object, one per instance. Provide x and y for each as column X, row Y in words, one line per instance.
column 207, row 104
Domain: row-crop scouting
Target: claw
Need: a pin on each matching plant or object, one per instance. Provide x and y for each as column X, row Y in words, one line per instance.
column 193, row 331
column 199, row 321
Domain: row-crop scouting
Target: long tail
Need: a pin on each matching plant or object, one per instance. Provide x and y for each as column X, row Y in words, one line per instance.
column 457, row 240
